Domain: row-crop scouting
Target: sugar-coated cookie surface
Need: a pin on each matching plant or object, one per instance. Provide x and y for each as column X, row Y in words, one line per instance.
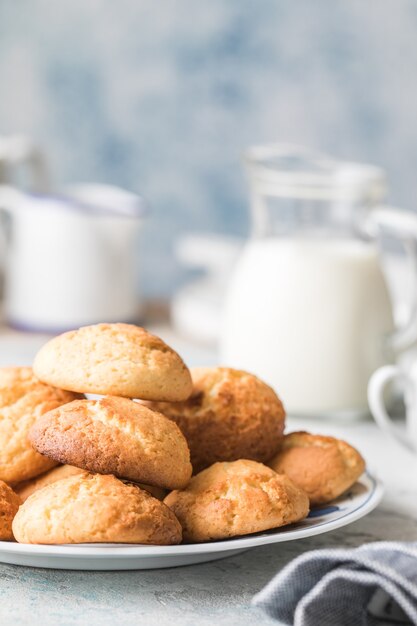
column 230, row 415
column 95, row 509
column 9, row 505
column 115, row 436
column 325, row 467
column 27, row 487
column 114, row 359
column 238, row 498
column 23, row 399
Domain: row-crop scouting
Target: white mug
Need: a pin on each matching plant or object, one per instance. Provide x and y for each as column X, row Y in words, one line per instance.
column 70, row 258
column 408, row 381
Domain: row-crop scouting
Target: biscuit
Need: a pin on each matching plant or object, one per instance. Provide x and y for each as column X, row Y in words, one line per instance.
column 95, row 509
column 9, row 505
column 230, row 415
column 23, row 399
column 114, row 359
column 324, row 467
column 115, row 436
column 237, row 498
column 27, row 487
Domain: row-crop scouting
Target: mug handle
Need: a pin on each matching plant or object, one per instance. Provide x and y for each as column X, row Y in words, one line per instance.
column 376, row 388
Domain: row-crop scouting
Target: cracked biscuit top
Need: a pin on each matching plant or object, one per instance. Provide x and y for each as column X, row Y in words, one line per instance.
column 114, row 359
column 238, row 498
column 93, row 508
column 325, row 467
column 115, row 436
column 230, row 415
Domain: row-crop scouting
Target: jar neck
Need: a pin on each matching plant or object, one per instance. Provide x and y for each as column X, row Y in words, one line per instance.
column 295, row 190
column 277, row 216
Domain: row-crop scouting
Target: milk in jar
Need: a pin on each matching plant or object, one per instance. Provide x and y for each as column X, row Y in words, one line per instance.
column 308, row 309
column 309, row 316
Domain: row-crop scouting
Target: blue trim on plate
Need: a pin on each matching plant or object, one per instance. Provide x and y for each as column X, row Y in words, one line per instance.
column 323, row 511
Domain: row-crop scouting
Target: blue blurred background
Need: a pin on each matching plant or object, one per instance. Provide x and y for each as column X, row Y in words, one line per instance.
column 162, row 98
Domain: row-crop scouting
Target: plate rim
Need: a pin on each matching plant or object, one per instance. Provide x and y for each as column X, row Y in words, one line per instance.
column 129, row 551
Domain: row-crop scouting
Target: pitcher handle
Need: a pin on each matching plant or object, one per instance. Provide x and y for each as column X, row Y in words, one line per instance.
column 402, row 225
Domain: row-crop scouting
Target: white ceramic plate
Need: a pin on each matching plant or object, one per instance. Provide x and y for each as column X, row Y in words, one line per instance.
column 360, row 500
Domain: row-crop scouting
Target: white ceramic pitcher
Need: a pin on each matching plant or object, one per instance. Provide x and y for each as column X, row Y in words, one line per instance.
column 308, row 309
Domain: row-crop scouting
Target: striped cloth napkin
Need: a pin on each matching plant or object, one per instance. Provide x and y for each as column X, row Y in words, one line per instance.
column 374, row 585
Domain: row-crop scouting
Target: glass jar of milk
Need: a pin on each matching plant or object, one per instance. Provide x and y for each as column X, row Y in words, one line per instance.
column 308, row 307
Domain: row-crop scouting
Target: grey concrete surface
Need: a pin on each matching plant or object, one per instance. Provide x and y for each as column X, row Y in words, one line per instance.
column 216, row 593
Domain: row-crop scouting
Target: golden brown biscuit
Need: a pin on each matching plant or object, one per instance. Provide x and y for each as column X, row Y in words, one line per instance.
column 115, row 436
column 9, row 505
column 27, row 487
column 23, row 399
column 116, row 360
column 237, row 498
column 324, row 467
column 95, row 509
column 230, row 415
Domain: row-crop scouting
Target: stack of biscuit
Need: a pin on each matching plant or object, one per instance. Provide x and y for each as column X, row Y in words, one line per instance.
column 159, row 455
